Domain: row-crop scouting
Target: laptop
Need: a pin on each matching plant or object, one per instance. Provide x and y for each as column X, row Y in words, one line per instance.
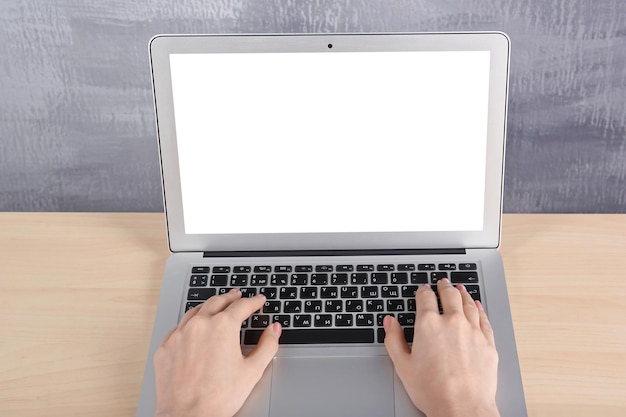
column 335, row 173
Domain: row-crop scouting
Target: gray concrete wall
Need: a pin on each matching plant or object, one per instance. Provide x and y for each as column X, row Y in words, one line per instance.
column 77, row 127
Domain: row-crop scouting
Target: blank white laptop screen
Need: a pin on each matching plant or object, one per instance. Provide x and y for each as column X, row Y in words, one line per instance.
column 331, row 142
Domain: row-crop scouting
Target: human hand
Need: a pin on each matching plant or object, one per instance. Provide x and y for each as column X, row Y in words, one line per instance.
column 200, row 369
column 452, row 367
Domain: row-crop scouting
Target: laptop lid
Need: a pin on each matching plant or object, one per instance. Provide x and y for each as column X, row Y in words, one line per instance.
column 331, row 142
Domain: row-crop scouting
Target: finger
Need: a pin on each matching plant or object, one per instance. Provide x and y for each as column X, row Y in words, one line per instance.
column 425, row 300
column 243, row 308
column 218, row 303
column 469, row 307
column 485, row 326
column 450, row 297
column 266, row 349
column 394, row 342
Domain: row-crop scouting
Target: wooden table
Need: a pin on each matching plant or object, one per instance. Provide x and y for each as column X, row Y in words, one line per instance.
column 78, row 295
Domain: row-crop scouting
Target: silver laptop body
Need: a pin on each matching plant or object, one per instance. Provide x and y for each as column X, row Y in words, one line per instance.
column 331, row 152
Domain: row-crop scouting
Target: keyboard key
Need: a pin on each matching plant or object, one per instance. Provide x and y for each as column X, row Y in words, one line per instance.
column 365, row 320
column 271, row 307
column 345, row 268
column 447, row 267
column 221, row 269
column 426, row 267
column 293, row 307
column 301, row 320
column 282, row 268
column 308, row 293
column 288, row 293
column 259, row 279
column 313, row 306
column 260, row 320
column 283, row 319
column 380, row 278
column 200, row 293
column 191, row 305
column 279, row 279
column 339, row 279
column 329, row 292
column 269, row 292
column 467, row 267
column 380, row 318
column 200, row 270
column 473, row 291
column 323, row 268
column 349, row 292
column 408, row 291
column 380, row 338
column 369, row 291
column 238, row 280
column 406, row 267
column 223, row 290
column 198, row 280
column 436, row 276
column 390, row 292
column 299, row 279
column 354, row 306
column 304, row 268
column 219, row 280
column 374, row 305
column 419, row 278
column 242, row 269
column 408, row 335
column 365, row 268
column 464, row 277
column 358, row 279
column 248, row 292
column 406, row 319
column 315, row 336
column 323, row 320
column 385, row 267
column 395, row 305
column 343, row 320
column 333, row 306
column 319, row 279
column 262, row 268
column 410, row 304
column 399, row 278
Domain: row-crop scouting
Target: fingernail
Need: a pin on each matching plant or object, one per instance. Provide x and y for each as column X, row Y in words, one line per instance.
column 479, row 305
column 278, row 329
column 234, row 290
column 424, row 287
column 461, row 287
column 445, row 280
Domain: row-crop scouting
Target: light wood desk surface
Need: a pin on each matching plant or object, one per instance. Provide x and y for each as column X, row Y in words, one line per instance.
column 78, row 296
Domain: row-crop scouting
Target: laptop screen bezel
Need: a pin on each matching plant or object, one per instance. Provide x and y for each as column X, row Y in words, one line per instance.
column 497, row 43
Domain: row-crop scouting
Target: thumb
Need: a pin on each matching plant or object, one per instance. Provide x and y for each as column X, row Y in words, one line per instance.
column 267, row 347
column 394, row 341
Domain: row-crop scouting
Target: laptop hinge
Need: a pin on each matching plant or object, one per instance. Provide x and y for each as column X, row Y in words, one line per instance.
column 340, row 252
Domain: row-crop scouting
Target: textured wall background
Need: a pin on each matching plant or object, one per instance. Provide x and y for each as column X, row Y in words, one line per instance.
column 77, row 127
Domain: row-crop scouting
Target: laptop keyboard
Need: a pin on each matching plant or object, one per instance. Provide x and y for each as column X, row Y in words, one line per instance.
column 323, row 304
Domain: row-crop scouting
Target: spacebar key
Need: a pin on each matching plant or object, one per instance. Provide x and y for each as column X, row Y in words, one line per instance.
column 313, row 336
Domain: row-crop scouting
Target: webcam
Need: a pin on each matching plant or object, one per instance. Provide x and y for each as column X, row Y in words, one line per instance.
column 330, row 45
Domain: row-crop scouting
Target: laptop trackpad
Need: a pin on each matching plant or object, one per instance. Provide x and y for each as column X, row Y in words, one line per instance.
column 338, row 386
